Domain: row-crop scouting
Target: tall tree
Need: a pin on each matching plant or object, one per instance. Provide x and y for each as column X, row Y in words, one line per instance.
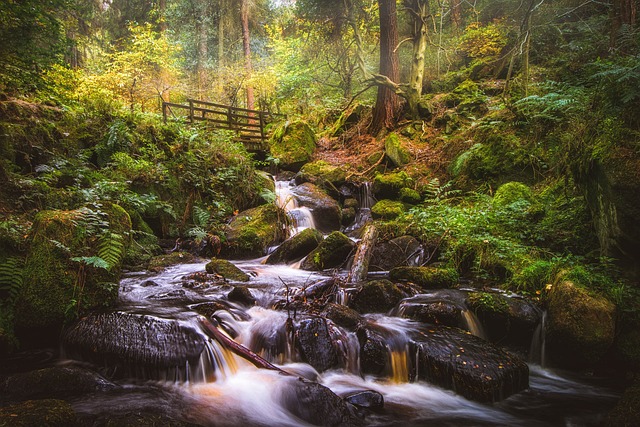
column 387, row 102
column 246, row 44
column 623, row 13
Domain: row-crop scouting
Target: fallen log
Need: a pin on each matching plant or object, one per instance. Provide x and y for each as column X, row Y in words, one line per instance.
column 242, row 351
column 360, row 265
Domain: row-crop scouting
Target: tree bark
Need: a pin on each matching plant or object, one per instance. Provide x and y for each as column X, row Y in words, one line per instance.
column 623, row 12
column 202, row 49
column 387, row 102
column 162, row 6
column 420, row 11
column 244, row 16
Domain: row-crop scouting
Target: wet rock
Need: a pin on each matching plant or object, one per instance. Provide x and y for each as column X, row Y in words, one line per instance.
column 148, row 283
column 342, row 315
column 316, row 345
column 324, row 209
column 397, row 252
column 293, row 145
column 241, row 294
column 581, row 326
column 332, row 252
column 388, row 186
column 373, row 350
column 226, row 269
column 387, row 209
column 426, row 277
column 442, row 307
column 32, row 413
column 368, row 399
column 317, row 405
column 348, row 215
column 323, row 174
column 296, row 247
column 466, row 364
column 201, row 280
column 208, row 309
column 140, row 419
column 251, row 232
column 133, row 344
column 54, row 382
column 506, row 320
column 377, row 296
column 627, row 411
column 161, row 262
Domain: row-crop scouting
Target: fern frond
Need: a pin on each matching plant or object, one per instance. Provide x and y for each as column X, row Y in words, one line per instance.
column 93, row 261
column 111, row 248
column 12, row 277
column 201, row 216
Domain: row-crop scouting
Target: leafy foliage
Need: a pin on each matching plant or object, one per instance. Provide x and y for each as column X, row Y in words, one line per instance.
column 11, row 278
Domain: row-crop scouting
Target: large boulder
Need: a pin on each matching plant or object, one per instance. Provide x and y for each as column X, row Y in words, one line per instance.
column 441, row 307
column 387, row 209
column 134, row 345
column 251, row 232
column 293, row 145
column 323, row 174
column 324, row 208
column 466, row 364
column 580, row 327
column 316, row 344
column 332, row 252
column 296, row 247
column 388, row 186
column 396, row 150
column 62, row 271
column 401, row 251
column 377, row 296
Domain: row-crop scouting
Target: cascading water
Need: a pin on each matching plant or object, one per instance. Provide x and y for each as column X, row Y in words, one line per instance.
column 538, row 343
column 301, row 217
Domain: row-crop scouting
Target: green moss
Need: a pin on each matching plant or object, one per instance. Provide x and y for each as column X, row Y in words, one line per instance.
column 487, row 302
column 387, row 209
column 426, row 277
column 227, row 270
column 396, row 151
column 388, row 186
column 293, row 145
column 296, row 247
column 332, row 252
column 321, row 173
column 252, row 231
column 160, row 262
column 467, row 97
column 512, row 192
column 410, row 196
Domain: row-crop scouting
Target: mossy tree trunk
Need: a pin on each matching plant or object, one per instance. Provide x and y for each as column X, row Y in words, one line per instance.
column 419, row 9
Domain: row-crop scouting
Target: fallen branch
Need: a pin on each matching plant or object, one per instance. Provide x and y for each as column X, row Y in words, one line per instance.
column 242, row 351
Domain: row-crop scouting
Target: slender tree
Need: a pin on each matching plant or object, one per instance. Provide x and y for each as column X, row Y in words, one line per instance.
column 246, row 44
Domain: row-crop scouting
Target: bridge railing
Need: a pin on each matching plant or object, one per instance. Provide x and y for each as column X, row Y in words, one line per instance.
column 249, row 125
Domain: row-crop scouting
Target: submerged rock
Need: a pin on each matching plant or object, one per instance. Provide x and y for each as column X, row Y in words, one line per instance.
column 368, row 399
column 296, row 247
column 342, row 315
column 442, row 307
column 316, row 344
column 241, row 294
column 133, row 343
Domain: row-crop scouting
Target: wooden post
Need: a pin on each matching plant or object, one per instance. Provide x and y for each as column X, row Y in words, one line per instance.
column 164, row 112
column 261, row 117
column 191, row 110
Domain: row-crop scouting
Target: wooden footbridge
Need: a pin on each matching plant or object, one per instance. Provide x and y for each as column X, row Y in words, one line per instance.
column 249, row 125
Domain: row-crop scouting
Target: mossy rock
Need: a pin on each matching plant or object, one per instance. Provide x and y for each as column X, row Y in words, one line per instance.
column 581, row 326
column 377, row 296
column 322, row 173
column 251, row 232
column 160, row 262
column 347, row 119
column 348, row 216
column 293, row 145
column 53, row 287
column 409, row 196
column 426, row 277
column 267, row 184
column 396, row 151
column 296, row 247
column 468, row 98
column 627, row 412
column 512, row 192
column 332, row 252
column 387, row 209
column 226, row 269
column 31, row 413
column 397, row 252
column 342, row 315
column 388, row 186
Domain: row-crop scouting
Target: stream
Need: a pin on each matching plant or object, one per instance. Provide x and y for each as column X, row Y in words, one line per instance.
column 223, row 389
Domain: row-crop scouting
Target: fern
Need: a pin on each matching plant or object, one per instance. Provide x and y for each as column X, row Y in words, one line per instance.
column 437, row 192
column 111, row 249
column 11, row 277
column 93, row 261
column 201, row 217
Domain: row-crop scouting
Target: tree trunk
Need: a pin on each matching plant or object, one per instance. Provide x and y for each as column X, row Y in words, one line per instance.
column 387, row 102
column 623, row 12
column 162, row 6
column 360, row 265
column 244, row 16
column 203, row 51
column 221, row 10
column 420, row 10
column 456, row 14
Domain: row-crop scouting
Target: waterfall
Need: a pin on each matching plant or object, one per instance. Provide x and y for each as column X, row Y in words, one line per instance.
column 473, row 324
column 301, row 217
column 537, row 351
